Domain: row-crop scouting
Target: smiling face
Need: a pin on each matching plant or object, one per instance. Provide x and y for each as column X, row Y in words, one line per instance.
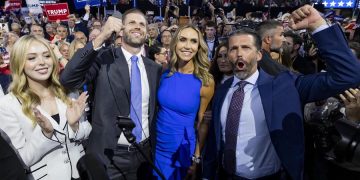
column 134, row 30
column 187, row 44
column 243, row 55
column 38, row 63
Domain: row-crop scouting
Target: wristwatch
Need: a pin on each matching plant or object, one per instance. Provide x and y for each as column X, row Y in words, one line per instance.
column 195, row 159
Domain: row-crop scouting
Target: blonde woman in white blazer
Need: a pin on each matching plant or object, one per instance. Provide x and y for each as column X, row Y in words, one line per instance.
column 45, row 126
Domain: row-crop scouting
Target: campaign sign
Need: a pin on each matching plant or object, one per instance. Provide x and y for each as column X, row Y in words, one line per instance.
column 24, row 11
column 42, row 2
column 339, row 4
column 80, row 4
column 34, row 6
column 12, row 5
column 57, row 11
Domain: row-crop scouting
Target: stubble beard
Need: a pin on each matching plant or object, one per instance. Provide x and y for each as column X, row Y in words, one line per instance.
column 133, row 41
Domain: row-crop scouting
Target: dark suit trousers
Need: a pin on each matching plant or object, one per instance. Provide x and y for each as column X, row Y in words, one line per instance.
column 226, row 176
column 129, row 164
column 10, row 165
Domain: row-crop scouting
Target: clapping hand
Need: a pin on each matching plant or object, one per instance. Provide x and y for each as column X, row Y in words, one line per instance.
column 306, row 17
column 76, row 110
column 351, row 99
column 44, row 123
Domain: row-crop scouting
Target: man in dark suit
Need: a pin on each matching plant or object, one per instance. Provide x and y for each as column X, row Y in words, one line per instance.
column 299, row 63
column 11, row 166
column 257, row 127
column 272, row 37
column 210, row 38
column 125, row 83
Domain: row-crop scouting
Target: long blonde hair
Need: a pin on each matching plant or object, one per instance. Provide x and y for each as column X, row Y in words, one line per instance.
column 200, row 60
column 72, row 47
column 19, row 86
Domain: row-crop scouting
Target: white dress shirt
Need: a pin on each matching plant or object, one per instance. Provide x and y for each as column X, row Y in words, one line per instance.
column 145, row 95
column 210, row 44
column 255, row 154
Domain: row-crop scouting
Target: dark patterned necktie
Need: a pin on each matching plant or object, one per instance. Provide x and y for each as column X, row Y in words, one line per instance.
column 232, row 127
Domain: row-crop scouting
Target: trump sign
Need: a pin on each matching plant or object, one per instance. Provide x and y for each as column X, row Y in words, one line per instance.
column 57, row 11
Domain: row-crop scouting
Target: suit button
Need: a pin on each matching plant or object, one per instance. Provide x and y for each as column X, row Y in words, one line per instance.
column 66, row 161
column 64, row 151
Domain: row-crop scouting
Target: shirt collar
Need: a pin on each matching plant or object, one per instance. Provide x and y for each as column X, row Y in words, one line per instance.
column 128, row 55
column 251, row 80
column 210, row 41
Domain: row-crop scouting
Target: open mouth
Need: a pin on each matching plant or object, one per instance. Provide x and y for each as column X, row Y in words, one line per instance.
column 240, row 65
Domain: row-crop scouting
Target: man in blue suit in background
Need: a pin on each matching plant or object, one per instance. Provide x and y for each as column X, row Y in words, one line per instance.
column 257, row 127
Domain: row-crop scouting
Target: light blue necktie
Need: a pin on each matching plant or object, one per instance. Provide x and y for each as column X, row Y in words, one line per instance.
column 135, row 109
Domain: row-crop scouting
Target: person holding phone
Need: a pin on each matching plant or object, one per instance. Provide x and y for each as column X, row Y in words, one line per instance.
column 45, row 126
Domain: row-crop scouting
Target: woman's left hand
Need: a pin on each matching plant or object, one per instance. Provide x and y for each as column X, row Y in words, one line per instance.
column 74, row 112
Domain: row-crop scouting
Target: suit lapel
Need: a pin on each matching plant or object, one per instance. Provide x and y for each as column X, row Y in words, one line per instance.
column 266, row 94
column 119, row 77
column 221, row 94
column 152, row 84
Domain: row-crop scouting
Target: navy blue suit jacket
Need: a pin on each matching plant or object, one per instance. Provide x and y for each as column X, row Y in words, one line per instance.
column 283, row 97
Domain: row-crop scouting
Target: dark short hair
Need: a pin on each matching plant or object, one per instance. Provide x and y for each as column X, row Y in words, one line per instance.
column 135, row 11
column 266, row 26
column 246, row 31
column 154, row 49
column 295, row 37
column 162, row 32
column 210, row 24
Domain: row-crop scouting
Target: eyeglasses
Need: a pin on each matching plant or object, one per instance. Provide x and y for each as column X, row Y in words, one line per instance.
column 164, row 53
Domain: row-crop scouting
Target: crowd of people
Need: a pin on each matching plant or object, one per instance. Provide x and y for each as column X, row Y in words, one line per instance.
column 212, row 97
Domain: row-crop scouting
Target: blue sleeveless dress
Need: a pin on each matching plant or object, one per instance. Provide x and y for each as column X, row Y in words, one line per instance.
column 179, row 101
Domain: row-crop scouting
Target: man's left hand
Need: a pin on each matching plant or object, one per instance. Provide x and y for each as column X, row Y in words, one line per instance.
column 306, row 17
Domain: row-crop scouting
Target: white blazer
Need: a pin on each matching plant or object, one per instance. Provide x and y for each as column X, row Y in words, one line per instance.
column 46, row 159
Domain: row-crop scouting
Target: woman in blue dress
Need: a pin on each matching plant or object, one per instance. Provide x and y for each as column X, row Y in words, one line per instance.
column 185, row 91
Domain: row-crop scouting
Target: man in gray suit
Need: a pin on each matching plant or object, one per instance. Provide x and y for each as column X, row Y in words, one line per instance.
column 125, row 84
